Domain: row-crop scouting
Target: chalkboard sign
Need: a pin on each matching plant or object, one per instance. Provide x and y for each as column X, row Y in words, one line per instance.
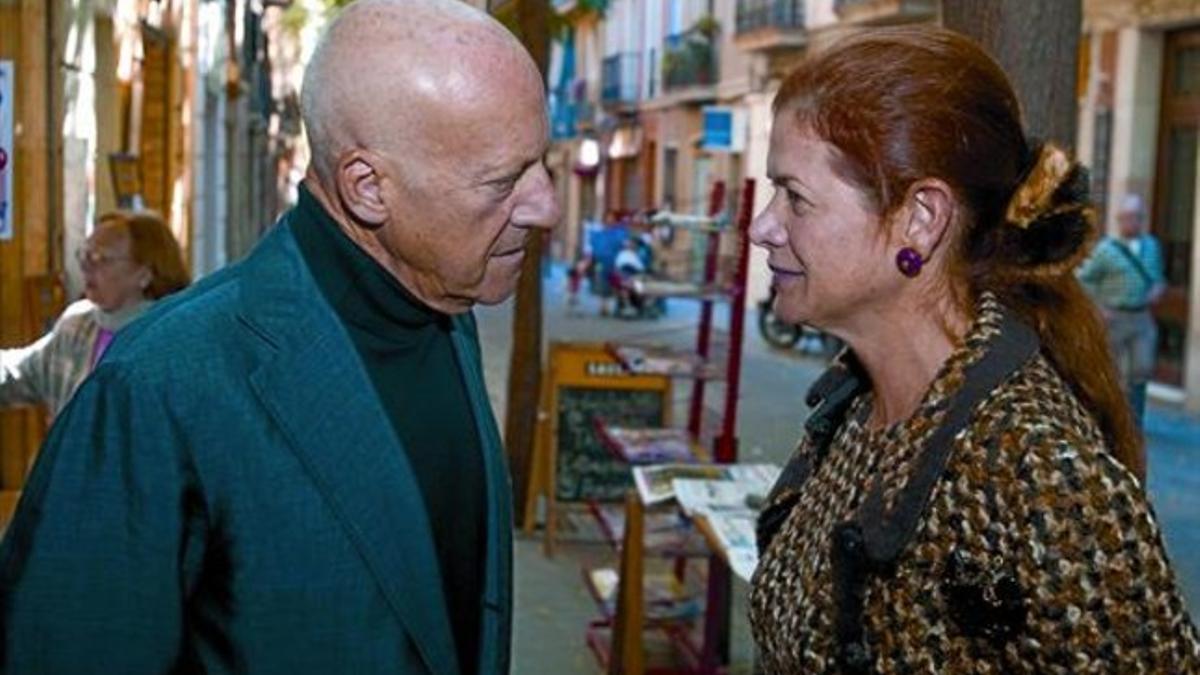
column 586, row 384
column 583, row 384
column 586, row 469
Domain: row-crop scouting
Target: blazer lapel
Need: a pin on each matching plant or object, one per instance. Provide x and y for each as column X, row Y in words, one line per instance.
column 317, row 392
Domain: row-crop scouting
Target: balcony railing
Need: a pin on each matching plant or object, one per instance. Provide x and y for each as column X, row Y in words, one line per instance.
column 755, row 15
column 571, row 110
column 619, row 85
column 689, row 59
column 884, row 11
column 567, row 6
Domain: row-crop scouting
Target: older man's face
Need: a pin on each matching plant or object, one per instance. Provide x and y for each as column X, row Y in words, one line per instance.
column 1129, row 223
column 461, row 223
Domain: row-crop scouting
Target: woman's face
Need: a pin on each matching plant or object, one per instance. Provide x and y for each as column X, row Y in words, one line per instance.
column 112, row 278
column 827, row 252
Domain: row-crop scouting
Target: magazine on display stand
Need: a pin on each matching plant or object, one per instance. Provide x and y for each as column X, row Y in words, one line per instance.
column 724, row 496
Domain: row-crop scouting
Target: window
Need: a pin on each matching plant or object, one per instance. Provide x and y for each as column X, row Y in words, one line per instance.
column 670, row 164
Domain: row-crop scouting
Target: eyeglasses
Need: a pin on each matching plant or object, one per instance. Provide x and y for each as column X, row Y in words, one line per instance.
column 93, row 259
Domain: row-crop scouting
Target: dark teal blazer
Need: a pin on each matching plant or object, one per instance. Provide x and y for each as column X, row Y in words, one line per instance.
column 226, row 494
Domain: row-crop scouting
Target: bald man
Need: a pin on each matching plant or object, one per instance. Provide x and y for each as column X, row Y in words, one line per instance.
column 293, row 467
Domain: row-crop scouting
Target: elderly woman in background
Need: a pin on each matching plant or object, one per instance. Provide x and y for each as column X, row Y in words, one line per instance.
column 129, row 261
column 967, row 497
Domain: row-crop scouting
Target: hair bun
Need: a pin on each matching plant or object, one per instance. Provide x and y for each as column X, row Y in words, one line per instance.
column 1036, row 191
column 1049, row 220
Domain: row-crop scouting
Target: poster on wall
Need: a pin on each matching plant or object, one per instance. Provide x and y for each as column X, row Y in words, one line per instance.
column 7, row 112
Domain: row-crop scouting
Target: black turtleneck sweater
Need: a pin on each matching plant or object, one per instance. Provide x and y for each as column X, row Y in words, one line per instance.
column 407, row 351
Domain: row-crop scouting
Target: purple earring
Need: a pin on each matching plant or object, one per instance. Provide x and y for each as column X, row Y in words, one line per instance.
column 909, row 262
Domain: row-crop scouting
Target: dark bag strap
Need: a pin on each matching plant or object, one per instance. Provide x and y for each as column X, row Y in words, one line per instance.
column 1137, row 264
column 872, row 541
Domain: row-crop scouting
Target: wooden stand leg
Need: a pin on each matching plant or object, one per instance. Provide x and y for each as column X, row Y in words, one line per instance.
column 541, row 480
column 550, row 491
column 716, row 617
column 628, row 654
column 537, row 480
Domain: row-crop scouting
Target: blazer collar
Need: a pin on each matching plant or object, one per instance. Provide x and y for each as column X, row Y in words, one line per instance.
column 315, row 389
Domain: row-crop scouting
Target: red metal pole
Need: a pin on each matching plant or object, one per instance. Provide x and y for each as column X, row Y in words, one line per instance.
column 716, row 615
column 726, row 444
column 703, row 336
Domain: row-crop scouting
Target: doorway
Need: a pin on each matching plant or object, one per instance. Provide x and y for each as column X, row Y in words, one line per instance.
column 1175, row 195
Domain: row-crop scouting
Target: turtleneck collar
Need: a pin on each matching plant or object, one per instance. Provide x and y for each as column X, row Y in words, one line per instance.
column 360, row 290
column 118, row 318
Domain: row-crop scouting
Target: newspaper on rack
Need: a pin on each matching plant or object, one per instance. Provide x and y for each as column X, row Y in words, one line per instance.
column 734, row 531
column 727, row 505
column 654, row 481
column 745, row 483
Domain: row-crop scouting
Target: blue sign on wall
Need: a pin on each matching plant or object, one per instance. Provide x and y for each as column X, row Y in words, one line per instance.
column 724, row 129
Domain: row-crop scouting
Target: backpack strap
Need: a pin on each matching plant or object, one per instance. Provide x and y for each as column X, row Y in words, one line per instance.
column 874, row 538
column 1132, row 259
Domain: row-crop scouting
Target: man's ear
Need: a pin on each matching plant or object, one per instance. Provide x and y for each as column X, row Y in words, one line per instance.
column 359, row 178
column 930, row 209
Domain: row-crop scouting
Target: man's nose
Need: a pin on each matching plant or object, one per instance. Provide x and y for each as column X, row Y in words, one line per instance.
column 540, row 208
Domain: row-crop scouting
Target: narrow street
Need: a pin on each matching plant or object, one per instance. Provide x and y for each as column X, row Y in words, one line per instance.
column 553, row 607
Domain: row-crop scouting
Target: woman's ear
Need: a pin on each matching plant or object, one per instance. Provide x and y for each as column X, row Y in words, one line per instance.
column 359, row 180
column 930, row 209
column 145, row 278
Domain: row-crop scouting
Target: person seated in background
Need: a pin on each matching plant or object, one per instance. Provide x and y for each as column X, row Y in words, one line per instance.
column 129, row 261
column 605, row 245
column 578, row 271
column 629, row 265
column 643, row 236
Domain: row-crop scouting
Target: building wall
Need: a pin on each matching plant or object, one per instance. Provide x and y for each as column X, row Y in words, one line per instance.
column 1135, row 116
column 24, row 39
column 735, row 65
column 758, row 107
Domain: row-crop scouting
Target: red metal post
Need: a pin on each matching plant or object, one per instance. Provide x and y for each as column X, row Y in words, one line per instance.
column 726, row 443
column 704, row 335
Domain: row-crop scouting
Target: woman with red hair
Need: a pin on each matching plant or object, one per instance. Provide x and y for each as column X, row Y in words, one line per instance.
column 968, row 495
column 130, row 261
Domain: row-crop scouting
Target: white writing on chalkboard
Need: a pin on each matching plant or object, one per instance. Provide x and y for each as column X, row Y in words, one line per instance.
column 604, row 369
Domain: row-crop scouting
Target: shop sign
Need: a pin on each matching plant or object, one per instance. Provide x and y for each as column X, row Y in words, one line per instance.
column 724, row 129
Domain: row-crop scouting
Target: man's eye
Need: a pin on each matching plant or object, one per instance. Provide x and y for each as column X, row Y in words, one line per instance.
column 505, row 185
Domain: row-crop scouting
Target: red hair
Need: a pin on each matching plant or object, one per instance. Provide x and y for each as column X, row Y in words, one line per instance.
column 152, row 244
column 903, row 104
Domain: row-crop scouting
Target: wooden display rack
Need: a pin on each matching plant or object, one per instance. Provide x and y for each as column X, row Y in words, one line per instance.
column 618, row 641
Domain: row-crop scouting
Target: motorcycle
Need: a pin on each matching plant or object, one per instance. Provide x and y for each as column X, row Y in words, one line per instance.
column 783, row 335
